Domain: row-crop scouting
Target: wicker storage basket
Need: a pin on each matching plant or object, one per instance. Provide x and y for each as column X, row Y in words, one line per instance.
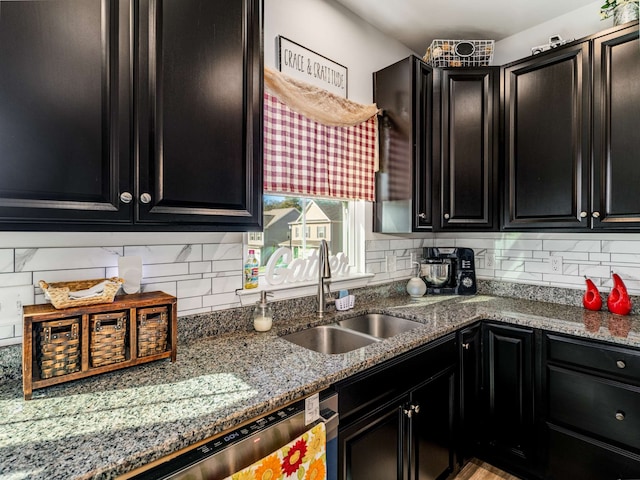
column 60, row 293
column 58, row 347
column 108, row 338
column 459, row 53
column 152, row 330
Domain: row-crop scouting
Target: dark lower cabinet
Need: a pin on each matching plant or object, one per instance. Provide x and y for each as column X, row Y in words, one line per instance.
column 406, row 430
column 373, row 447
column 430, row 415
column 471, row 391
column 509, row 375
column 592, row 393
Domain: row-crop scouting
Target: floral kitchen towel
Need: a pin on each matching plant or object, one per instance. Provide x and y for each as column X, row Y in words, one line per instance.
column 304, row 458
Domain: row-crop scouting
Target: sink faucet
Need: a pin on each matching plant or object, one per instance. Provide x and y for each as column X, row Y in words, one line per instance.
column 324, row 274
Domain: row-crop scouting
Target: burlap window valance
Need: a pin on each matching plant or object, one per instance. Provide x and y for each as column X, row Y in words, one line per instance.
column 316, row 143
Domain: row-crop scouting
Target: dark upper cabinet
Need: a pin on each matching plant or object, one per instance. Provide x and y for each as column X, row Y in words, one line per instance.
column 570, row 136
column 403, row 185
column 616, row 142
column 200, row 101
column 438, row 148
column 547, row 141
column 130, row 115
column 466, row 148
column 65, row 120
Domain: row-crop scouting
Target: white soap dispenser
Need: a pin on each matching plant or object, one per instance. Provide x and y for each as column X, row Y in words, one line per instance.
column 416, row 286
column 263, row 314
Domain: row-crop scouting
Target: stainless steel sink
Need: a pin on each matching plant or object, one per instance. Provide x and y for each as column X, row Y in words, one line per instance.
column 379, row 325
column 330, row 339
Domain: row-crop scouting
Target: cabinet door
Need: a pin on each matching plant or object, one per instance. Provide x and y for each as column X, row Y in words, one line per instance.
column 200, row 113
column 403, row 91
column 471, row 398
column 547, row 125
column 64, row 113
column 468, row 128
column 372, row 448
column 509, row 373
column 432, row 420
column 422, row 185
column 616, row 104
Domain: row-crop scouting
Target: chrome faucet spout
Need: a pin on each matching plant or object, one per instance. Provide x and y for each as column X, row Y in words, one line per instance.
column 324, row 274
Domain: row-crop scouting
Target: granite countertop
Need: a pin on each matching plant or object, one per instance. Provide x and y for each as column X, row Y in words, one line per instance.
column 109, row 424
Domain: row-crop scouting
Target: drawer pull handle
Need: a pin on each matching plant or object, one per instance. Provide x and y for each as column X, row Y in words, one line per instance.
column 466, row 346
column 621, row 364
column 619, row 415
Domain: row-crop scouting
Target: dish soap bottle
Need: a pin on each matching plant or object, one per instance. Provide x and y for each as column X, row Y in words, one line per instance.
column 263, row 314
column 251, row 271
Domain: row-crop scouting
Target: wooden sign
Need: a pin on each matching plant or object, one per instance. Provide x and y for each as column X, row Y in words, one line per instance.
column 301, row 63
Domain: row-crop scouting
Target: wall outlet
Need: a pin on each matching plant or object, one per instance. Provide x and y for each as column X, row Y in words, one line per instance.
column 391, row 263
column 490, row 260
column 556, row 263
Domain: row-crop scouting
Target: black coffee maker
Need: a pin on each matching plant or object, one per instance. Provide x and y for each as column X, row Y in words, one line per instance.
column 449, row 270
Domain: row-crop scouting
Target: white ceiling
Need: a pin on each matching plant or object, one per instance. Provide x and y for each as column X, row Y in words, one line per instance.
column 415, row 23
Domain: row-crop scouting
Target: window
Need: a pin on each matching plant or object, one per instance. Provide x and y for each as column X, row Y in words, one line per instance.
column 286, row 217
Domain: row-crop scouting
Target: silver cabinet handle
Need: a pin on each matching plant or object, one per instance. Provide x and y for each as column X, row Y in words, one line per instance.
column 447, row 216
column 619, row 415
column 595, row 214
column 621, row 364
column 411, row 410
column 583, row 214
column 466, row 346
column 126, row 197
column 422, row 215
column 145, row 198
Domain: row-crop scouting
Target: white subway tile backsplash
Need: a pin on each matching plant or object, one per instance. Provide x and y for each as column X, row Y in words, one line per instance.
column 200, row 267
column 6, row 331
column 228, row 265
column 51, row 276
column 6, row 261
column 226, row 284
column 223, row 251
column 572, row 245
column 377, row 245
column 220, row 299
column 167, row 287
column 194, row 288
column 165, row 270
column 187, row 304
column 34, row 259
column 13, row 279
column 166, row 253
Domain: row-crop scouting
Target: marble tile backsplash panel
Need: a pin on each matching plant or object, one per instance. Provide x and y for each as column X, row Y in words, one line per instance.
column 204, row 275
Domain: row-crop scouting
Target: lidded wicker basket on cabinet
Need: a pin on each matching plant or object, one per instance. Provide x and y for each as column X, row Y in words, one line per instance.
column 153, row 326
column 58, row 347
column 61, row 293
column 108, row 338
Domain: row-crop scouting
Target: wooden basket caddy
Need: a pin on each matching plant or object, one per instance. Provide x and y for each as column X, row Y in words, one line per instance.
column 108, row 338
column 153, row 326
column 58, row 347
column 78, row 342
column 59, row 292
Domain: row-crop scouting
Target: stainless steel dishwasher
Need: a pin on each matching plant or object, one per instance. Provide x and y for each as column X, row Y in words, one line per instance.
column 225, row 455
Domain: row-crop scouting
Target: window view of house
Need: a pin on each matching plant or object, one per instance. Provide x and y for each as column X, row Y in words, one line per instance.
column 287, row 218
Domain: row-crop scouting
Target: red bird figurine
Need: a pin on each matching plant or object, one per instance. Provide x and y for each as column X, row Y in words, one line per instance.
column 591, row 299
column 618, row 301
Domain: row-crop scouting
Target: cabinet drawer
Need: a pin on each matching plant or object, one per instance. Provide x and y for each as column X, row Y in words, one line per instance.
column 380, row 384
column 573, row 456
column 619, row 362
column 598, row 406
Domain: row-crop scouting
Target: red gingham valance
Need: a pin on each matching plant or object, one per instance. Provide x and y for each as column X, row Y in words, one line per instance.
column 306, row 158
